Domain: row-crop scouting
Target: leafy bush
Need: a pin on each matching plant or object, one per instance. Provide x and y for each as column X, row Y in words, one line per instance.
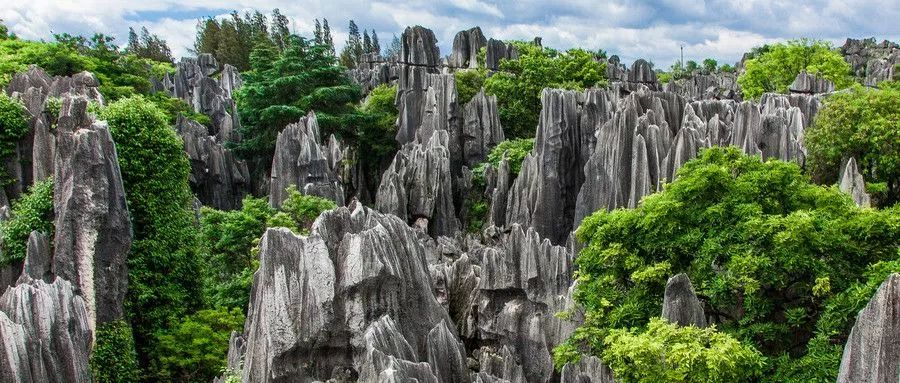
column 519, row 83
column 665, row 352
column 13, row 126
column 774, row 68
column 862, row 123
column 114, row 358
column 173, row 106
column 33, row 211
column 764, row 248
column 195, row 349
column 469, row 83
column 163, row 266
column 375, row 123
column 298, row 211
column 515, row 150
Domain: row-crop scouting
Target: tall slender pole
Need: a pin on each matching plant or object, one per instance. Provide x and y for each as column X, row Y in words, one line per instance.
column 682, row 57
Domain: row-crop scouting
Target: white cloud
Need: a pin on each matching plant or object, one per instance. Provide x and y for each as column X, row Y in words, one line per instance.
column 722, row 29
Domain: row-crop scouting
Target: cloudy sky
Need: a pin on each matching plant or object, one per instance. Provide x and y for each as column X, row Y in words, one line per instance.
column 722, row 29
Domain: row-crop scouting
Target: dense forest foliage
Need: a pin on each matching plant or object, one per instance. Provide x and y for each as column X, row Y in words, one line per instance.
column 781, row 258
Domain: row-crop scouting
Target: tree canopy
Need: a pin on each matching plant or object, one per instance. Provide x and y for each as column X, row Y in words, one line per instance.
column 773, row 68
column 767, row 251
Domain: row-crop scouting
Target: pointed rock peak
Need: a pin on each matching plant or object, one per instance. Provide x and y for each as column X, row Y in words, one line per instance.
column 872, row 351
column 852, row 183
column 680, row 304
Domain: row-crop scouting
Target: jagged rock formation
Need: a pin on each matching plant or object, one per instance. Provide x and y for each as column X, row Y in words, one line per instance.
column 852, row 182
column 497, row 50
column 544, row 194
column 588, row 370
column 810, row 84
column 33, row 159
column 481, row 129
column 871, row 61
column 301, row 160
column 418, row 186
column 218, row 178
column 93, row 229
column 419, row 57
column 642, row 73
column 356, row 267
column 44, row 332
column 194, row 85
column 466, row 46
column 373, row 70
column 718, row 86
column 872, row 351
column 615, row 70
column 680, row 303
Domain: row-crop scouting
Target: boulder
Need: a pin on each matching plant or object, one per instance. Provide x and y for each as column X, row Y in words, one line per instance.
column 680, row 303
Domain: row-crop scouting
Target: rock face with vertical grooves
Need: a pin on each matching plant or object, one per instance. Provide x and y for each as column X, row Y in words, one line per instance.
column 641, row 72
column 301, row 160
column 497, row 50
column 481, row 129
column 811, row 84
column 544, row 194
column 218, row 178
column 316, row 299
column 93, row 229
column 588, row 370
column 194, row 85
column 44, row 332
column 872, row 351
column 680, row 303
column 852, row 182
column 871, row 61
column 466, row 46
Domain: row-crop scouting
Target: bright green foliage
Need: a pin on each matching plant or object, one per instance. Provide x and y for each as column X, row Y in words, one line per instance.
column 114, row 358
column 519, row 83
column 173, row 106
column 194, row 350
column 665, row 352
column 515, row 150
column 13, row 126
column 299, row 211
column 763, row 247
column 863, row 123
column 281, row 88
column 774, row 68
column 726, row 68
column 710, row 65
column 32, row 211
column 163, row 265
column 229, row 261
column 232, row 238
column 477, row 212
column 469, row 83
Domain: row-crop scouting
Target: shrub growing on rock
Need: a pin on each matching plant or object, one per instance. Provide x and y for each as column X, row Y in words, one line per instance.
column 13, row 126
column 774, row 67
column 33, row 211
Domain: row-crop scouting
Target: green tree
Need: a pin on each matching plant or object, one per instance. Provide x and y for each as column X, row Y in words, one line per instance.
column 691, row 66
column 33, row 211
column 281, row 88
column 468, row 83
column 515, row 151
column 862, row 123
column 764, row 248
column 163, row 265
column 194, row 350
column 14, row 124
column 114, row 358
column 774, row 67
column 519, row 83
column 665, row 352
column 710, row 65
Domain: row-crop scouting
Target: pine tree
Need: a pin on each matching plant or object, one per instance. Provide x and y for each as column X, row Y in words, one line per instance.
column 134, row 45
column 317, row 34
column 394, row 48
column 355, row 41
column 367, row 43
column 280, row 30
column 326, row 36
column 376, row 46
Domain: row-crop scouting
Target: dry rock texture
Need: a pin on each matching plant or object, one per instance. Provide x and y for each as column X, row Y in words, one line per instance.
column 481, row 129
column 588, row 370
column 497, row 50
column 852, row 182
column 680, row 303
column 319, row 303
column 872, row 352
column 93, row 229
column 466, row 45
column 301, row 160
column 218, row 178
column 33, row 158
column 44, row 332
column 194, row 84
column 871, row 61
column 808, row 83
